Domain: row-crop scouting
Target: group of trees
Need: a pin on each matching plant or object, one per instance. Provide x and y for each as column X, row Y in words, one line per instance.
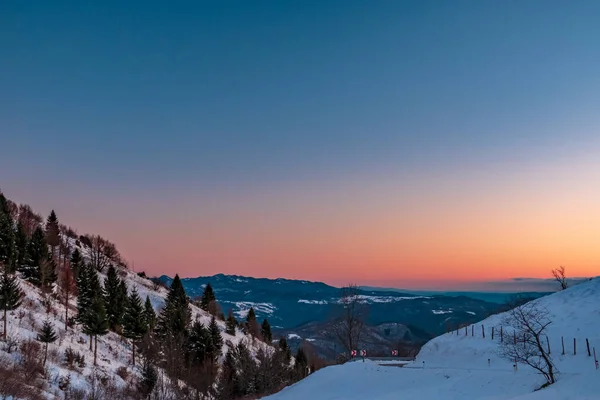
column 186, row 349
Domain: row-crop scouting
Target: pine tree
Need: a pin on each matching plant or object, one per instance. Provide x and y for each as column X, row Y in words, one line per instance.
column 230, row 324
column 114, row 298
column 149, row 314
column 216, row 339
column 48, row 271
column 134, row 320
column 20, row 246
column 46, row 335
column 285, row 349
column 208, row 297
column 77, row 262
column 175, row 316
column 148, row 379
column 52, row 232
column 37, row 253
column 253, row 327
column 199, row 344
column 265, row 331
column 4, row 205
column 10, row 295
column 227, row 382
column 84, row 299
column 7, row 242
column 96, row 321
column 301, row 363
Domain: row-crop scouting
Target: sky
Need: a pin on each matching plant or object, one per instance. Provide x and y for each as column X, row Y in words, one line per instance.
column 395, row 143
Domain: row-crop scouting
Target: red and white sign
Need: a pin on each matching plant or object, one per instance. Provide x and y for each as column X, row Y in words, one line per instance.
column 353, row 353
column 363, row 353
column 394, row 352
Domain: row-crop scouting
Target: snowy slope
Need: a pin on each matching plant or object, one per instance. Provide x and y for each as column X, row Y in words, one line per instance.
column 456, row 366
column 114, row 352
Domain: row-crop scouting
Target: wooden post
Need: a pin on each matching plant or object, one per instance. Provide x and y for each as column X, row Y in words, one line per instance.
column 472, row 330
column 466, row 331
column 548, row 342
column 562, row 340
column 587, row 343
column 501, row 334
column 483, row 331
column 492, row 333
column 574, row 346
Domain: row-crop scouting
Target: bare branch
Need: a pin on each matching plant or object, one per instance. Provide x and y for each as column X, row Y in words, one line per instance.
column 560, row 277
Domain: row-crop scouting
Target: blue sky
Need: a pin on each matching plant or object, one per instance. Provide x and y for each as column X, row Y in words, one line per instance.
column 122, row 100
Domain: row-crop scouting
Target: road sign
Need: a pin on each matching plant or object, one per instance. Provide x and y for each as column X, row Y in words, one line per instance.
column 394, row 352
column 363, row 353
column 353, row 353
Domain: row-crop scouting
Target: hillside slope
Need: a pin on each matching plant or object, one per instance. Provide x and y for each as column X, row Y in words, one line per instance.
column 455, row 366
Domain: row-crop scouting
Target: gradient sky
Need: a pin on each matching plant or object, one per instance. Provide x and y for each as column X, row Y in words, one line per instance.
column 395, row 143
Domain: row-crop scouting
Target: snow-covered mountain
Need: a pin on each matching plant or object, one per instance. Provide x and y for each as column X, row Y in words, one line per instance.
column 458, row 366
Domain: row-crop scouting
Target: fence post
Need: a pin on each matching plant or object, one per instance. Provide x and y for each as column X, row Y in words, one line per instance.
column 472, row 330
column 574, row 346
column 587, row 342
column 466, row 331
column 492, row 333
column 483, row 331
column 501, row 334
column 562, row 340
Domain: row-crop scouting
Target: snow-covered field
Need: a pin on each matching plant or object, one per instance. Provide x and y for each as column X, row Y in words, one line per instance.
column 455, row 366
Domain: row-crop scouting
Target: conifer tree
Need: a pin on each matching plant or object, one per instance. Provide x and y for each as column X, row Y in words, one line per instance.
column 113, row 298
column 46, row 335
column 301, row 363
column 7, row 242
column 216, row 339
column 199, row 344
column 208, row 297
column 4, row 205
column 96, row 321
column 148, row 379
column 77, row 263
column 175, row 316
column 134, row 320
column 48, row 271
column 37, row 253
column 230, row 324
column 52, row 232
column 84, row 299
column 253, row 327
column 265, row 331
column 20, row 246
column 285, row 349
column 10, row 295
column 149, row 314
column 228, row 380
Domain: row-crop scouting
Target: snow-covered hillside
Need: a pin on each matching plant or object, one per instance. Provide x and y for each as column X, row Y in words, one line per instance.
column 114, row 352
column 456, row 366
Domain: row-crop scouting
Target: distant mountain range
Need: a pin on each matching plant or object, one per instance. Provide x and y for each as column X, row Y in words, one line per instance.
column 290, row 304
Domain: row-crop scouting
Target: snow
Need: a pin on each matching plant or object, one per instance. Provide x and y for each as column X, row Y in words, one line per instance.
column 321, row 302
column 114, row 352
column 386, row 299
column 471, row 312
column 441, row 312
column 456, row 367
column 243, row 308
column 293, row 336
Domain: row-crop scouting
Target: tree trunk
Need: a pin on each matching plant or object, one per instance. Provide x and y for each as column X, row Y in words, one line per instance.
column 91, row 340
column 133, row 348
column 66, row 311
column 4, row 332
column 95, row 348
column 45, row 355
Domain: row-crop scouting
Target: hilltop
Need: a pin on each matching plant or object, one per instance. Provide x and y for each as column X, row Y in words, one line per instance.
column 455, row 366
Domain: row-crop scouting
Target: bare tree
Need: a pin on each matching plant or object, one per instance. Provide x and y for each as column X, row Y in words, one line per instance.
column 350, row 326
column 529, row 323
column 102, row 253
column 66, row 282
column 560, row 277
